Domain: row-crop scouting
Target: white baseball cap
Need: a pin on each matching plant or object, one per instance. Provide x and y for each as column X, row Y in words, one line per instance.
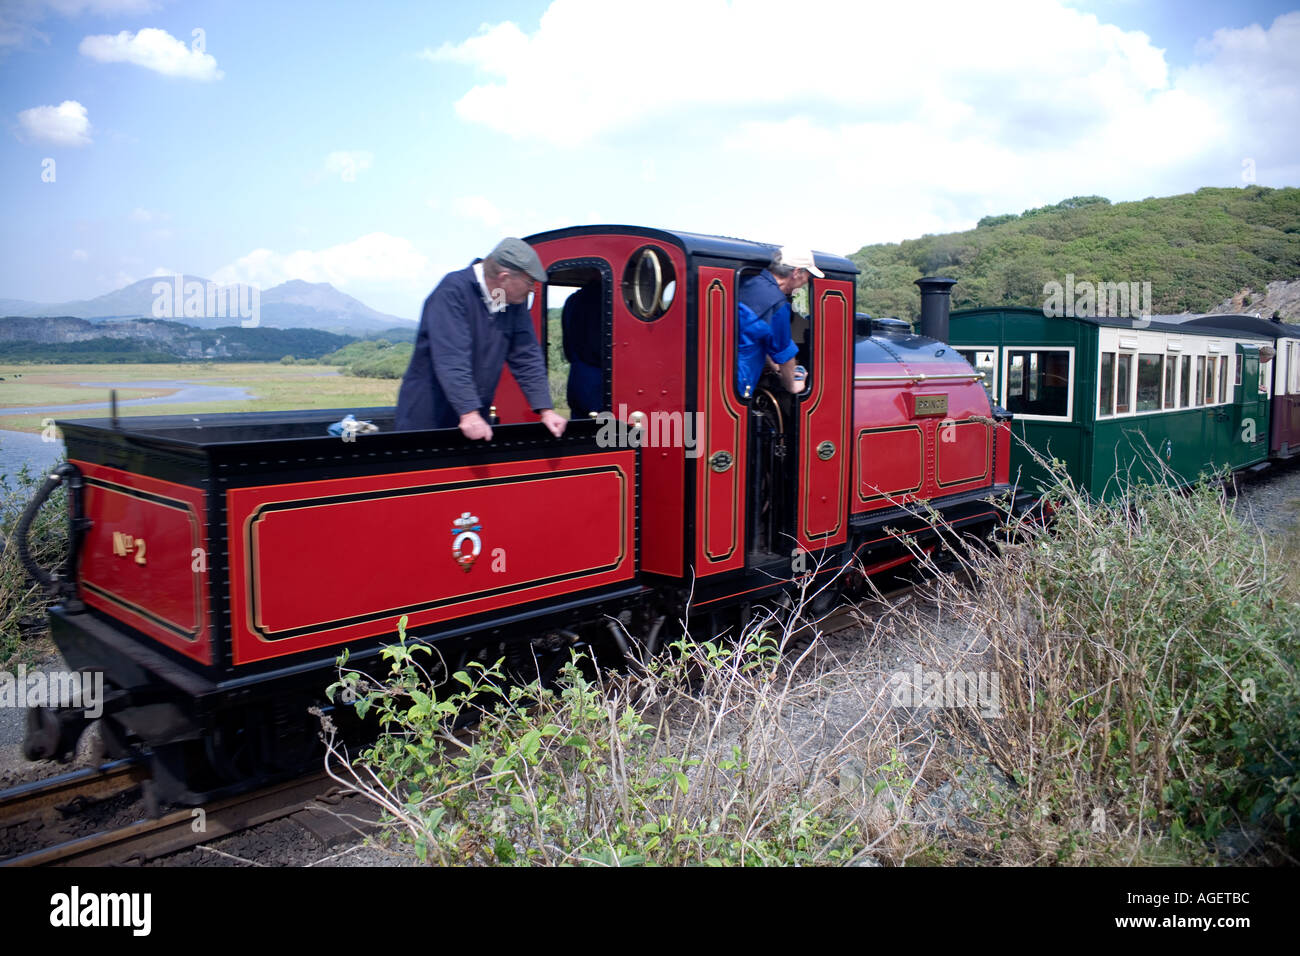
column 800, row 257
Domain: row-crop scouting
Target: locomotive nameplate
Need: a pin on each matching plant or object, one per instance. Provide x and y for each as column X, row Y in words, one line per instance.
column 930, row 405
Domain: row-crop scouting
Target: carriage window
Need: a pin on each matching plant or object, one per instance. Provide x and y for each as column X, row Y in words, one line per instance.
column 1184, row 382
column 1237, row 380
column 1149, row 367
column 1171, row 380
column 1197, row 385
column 1106, row 385
column 1123, row 367
column 983, row 361
column 1223, row 378
column 1038, row 383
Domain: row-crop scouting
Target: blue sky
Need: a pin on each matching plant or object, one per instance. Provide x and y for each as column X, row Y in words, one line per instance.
column 378, row 145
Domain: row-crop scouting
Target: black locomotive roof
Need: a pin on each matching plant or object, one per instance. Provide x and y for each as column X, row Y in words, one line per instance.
column 696, row 244
column 1248, row 323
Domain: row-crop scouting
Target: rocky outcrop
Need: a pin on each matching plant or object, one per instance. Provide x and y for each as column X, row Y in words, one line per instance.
column 1280, row 297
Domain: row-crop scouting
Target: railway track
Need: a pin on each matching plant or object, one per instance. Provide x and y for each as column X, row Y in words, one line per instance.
column 66, row 792
column 147, row 838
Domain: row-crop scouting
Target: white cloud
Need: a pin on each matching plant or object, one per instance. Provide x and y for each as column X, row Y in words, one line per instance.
column 884, row 132
column 155, row 50
column 79, row 255
column 860, row 70
column 346, row 164
column 64, row 125
column 377, row 257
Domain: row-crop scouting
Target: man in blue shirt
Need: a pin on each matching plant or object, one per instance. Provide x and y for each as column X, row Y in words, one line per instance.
column 474, row 322
column 764, row 317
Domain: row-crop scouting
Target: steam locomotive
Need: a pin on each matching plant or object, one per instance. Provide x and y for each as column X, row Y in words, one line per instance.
column 220, row 564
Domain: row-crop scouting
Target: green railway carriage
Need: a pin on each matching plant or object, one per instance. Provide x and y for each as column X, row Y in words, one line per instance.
column 1120, row 400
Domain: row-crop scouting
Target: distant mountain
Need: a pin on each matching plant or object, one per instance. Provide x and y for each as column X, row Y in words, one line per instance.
column 72, row 339
column 291, row 305
column 318, row 305
column 18, row 307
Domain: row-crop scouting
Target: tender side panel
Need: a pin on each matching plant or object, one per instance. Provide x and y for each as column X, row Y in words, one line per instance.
column 144, row 559
column 824, row 432
column 314, row 564
column 720, row 471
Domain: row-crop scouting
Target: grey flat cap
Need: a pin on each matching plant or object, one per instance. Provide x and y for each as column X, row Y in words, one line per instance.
column 518, row 255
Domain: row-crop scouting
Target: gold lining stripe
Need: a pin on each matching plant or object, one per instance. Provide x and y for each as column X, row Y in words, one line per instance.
column 938, row 447
column 920, row 476
column 808, row 458
column 715, row 322
column 192, row 633
column 252, row 553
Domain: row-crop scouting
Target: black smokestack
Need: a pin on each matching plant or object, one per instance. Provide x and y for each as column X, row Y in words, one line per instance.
column 935, row 293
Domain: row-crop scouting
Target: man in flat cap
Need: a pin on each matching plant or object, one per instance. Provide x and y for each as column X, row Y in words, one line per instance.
column 475, row 322
column 765, row 331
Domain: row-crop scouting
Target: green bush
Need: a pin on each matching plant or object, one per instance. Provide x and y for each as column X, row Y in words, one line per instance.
column 377, row 358
column 683, row 761
column 22, row 600
column 1148, row 659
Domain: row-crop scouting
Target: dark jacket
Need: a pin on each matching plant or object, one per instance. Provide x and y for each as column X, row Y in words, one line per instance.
column 459, row 353
column 583, row 332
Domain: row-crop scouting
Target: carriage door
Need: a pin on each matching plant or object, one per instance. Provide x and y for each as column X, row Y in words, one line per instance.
column 1252, row 400
column 825, row 417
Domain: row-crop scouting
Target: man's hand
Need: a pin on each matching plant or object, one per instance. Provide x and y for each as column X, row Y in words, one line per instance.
column 473, row 426
column 553, row 420
column 793, row 382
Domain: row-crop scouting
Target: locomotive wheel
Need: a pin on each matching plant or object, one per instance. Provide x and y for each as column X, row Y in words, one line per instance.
column 114, row 743
column 52, row 734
